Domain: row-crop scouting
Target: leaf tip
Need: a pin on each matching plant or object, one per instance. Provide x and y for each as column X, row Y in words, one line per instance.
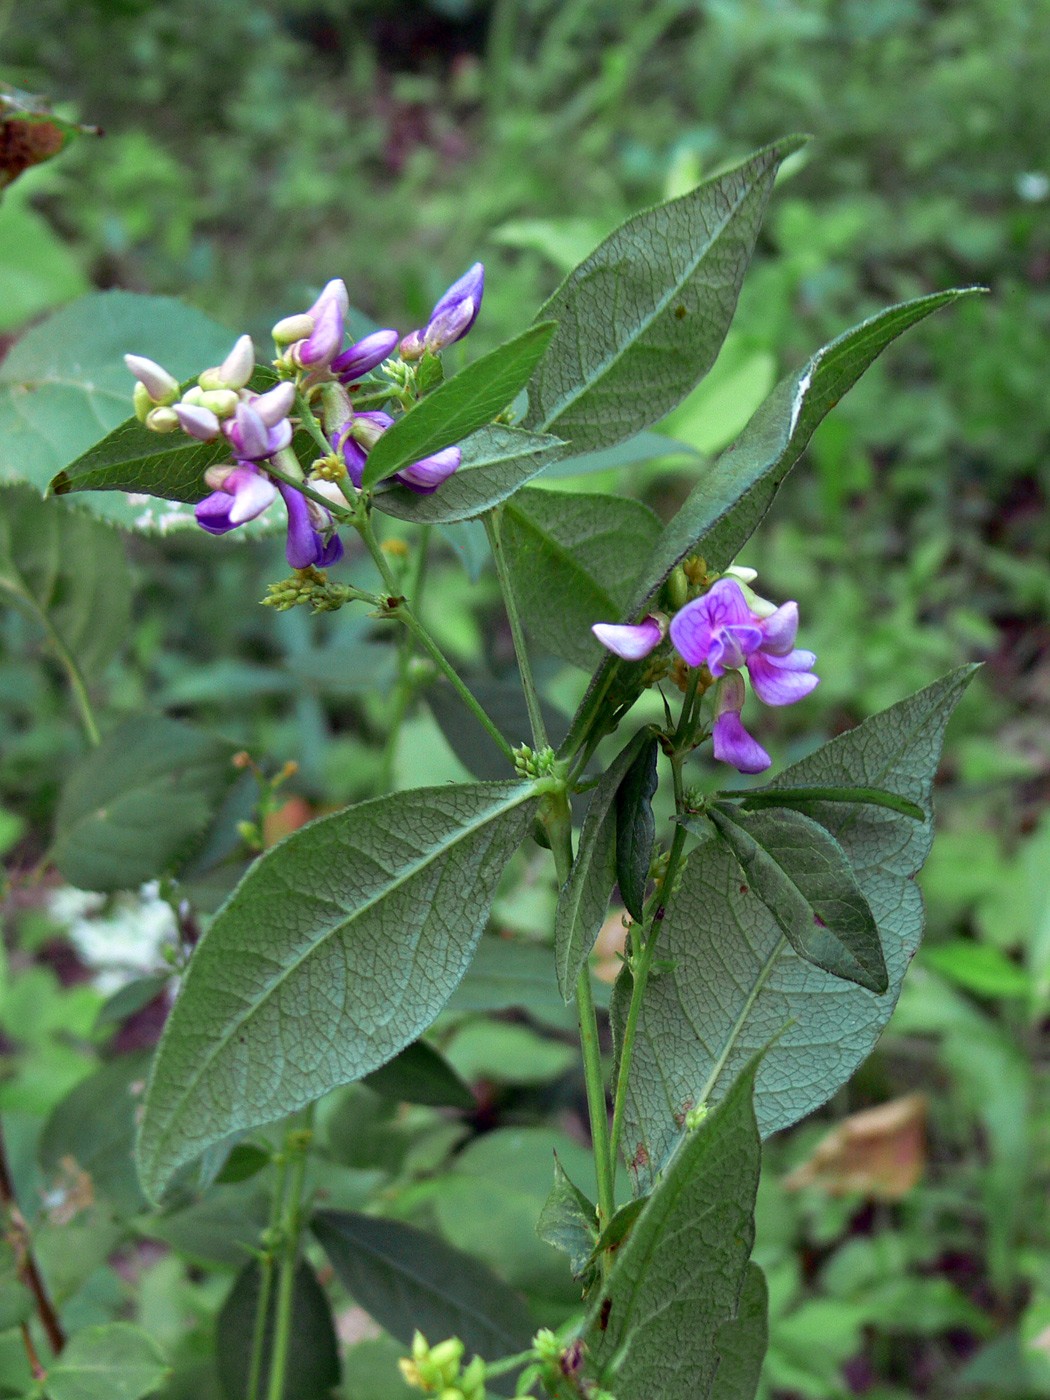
column 59, row 485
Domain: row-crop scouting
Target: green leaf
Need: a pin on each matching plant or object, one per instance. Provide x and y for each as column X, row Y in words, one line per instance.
column 245, row 1161
column 506, row 973
column 94, row 1127
column 64, row 385
column 643, row 447
column 130, row 998
column 291, row 990
column 573, row 559
column 618, row 1228
column 420, row 1075
column 679, row 1277
column 406, row 1279
column 642, row 319
column 726, row 505
column 66, row 572
column 508, row 1054
column 461, row 405
column 980, row 968
column 584, row 898
column 504, row 702
column 742, row 1341
column 569, row 1221
column 38, row 269
column 802, row 797
column 312, row 1369
column 636, row 828
column 496, row 461
column 113, row 1362
column 736, row 982
column 801, row 874
column 139, row 803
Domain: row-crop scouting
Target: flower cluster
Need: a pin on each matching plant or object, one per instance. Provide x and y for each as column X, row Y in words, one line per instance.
column 726, row 629
column 313, row 363
column 439, row 1369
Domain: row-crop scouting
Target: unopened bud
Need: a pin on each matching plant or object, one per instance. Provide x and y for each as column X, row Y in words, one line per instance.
column 678, row 588
column 215, row 476
column 412, row 346
column 161, row 386
column 237, row 367
column 194, row 395
column 199, row 422
column 141, row 400
column 420, row 1345
column 162, row 420
column 336, row 407
column 222, row 402
column 368, row 428
column 276, row 403
column 292, row 328
column 446, row 1356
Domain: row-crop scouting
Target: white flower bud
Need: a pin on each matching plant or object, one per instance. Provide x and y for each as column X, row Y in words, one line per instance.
column 162, row 419
column 197, row 421
column 293, row 328
column 161, row 386
column 237, row 367
column 276, row 403
column 194, row 395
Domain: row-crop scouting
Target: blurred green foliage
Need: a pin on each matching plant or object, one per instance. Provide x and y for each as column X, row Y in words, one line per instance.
column 253, row 151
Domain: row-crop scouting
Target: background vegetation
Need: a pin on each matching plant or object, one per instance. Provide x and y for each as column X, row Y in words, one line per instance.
column 254, row 150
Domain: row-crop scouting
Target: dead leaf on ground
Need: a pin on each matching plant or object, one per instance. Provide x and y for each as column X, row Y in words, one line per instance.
column 879, row 1152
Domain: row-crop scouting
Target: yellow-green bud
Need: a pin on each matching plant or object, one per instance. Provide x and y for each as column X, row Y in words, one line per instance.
column 678, row 587
column 194, row 395
column 446, row 1356
column 222, row 402
column 472, row 1381
column 161, row 420
column 142, row 401
column 292, row 328
column 420, row 1345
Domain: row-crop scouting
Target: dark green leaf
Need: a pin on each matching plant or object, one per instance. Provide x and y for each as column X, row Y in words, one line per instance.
column 618, row 1228
column 132, row 997
column 573, row 559
column 420, row 1075
column 245, row 1161
column 636, row 828
column 139, row 802
column 504, row 702
column 290, row 991
column 569, row 1221
column 724, row 507
column 736, row 983
column 407, row 1279
column 496, row 461
column 461, row 405
column 802, row 797
column 113, row 1362
column 312, row 1371
column 66, row 572
column 94, row 1127
column 643, row 447
column 801, row 874
column 220, row 1230
column 642, row 319
column 678, row 1278
column 741, row 1342
column 584, row 898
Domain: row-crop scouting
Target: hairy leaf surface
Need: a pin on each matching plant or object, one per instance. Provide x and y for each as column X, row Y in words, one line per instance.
column 736, row 983
column 337, row 949
column 652, row 1328
column 642, row 319
column 742, row 1342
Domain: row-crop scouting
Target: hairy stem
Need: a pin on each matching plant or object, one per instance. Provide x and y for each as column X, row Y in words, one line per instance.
column 532, row 699
column 297, row 1145
column 18, row 1237
column 266, row 1270
column 406, row 685
column 599, row 1113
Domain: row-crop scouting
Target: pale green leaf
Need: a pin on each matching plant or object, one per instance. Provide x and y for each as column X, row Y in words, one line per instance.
column 372, row 911
column 469, row 401
column 735, row 983
column 573, row 560
column 496, row 461
column 139, row 802
column 68, row 573
column 642, row 319
column 651, row 1331
column 115, row 1361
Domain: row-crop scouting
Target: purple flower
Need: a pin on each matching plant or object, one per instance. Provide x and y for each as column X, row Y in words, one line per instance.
column 632, row 642
column 308, row 525
column 259, row 427
column 329, row 317
column 456, row 311
column 364, row 356
column 369, row 428
column 425, row 476
column 197, row 421
column 732, row 743
column 242, row 494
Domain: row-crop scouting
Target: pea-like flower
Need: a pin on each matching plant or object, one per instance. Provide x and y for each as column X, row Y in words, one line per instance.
column 364, row 430
column 366, row 355
column 311, row 537
column 724, row 632
column 259, row 426
column 456, row 311
column 323, row 328
column 241, row 494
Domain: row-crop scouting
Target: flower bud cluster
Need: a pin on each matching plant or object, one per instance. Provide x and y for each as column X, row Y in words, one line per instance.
column 530, row 764
column 310, row 588
column 439, row 1370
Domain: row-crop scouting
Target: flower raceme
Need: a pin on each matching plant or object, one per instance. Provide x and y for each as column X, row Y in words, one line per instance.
column 726, row 632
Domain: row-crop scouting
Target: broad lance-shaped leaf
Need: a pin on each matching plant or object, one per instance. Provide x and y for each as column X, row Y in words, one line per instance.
column 642, row 319
column 636, row 828
column 312, row 1360
column 405, row 1279
column 742, row 1342
column 652, row 1329
column 140, row 802
column 68, row 573
column 800, row 873
column 573, row 559
column 496, row 462
column 736, row 984
column 339, row 947
column 461, row 405
column 584, row 898
column 723, row 509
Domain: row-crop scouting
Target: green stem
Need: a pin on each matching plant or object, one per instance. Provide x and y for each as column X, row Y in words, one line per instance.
column 406, row 685
column 266, row 1263
column 532, row 699
column 308, row 419
column 75, row 676
column 508, row 1363
column 599, row 1113
column 340, row 512
column 296, row 1145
